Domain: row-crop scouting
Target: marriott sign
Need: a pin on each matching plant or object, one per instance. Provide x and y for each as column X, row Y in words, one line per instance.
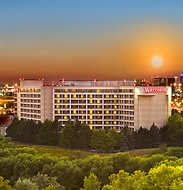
column 154, row 90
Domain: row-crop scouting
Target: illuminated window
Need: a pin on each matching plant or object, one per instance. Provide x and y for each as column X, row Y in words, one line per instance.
column 82, row 96
column 58, row 106
column 82, row 112
column 114, row 112
column 58, row 95
column 98, row 101
column 115, row 101
column 66, row 106
column 115, row 122
column 107, row 95
column 106, row 122
column 74, row 112
column 115, row 96
column 65, row 117
column 65, row 96
column 107, row 112
column 91, row 117
column 58, row 112
column 83, row 116
column 91, row 96
column 82, row 122
column 91, row 111
column 66, row 90
column 58, row 101
column 91, row 101
column 98, row 112
column 66, row 101
column 74, row 96
column 90, row 122
column 99, row 91
column 115, row 107
column 91, row 127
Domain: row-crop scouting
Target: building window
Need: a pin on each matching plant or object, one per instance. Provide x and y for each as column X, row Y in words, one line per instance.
column 99, row 91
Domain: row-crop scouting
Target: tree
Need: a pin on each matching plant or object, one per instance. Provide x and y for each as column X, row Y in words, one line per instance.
column 66, row 136
column 100, row 140
column 46, row 134
column 175, row 130
column 4, row 184
column 43, row 181
column 142, row 138
column 57, row 128
column 127, row 141
column 25, row 184
column 115, row 138
column 91, row 183
column 155, row 136
column 84, row 139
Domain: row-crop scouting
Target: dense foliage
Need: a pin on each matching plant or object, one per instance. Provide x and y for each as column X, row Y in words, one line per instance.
column 80, row 136
column 25, row 168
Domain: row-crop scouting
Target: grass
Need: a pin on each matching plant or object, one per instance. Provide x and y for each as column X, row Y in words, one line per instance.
column 77, row 154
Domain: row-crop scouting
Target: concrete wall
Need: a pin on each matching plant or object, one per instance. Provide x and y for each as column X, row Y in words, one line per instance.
column 46, row 103
column 153, row 107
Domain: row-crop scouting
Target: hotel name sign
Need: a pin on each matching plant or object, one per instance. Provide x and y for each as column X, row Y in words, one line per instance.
column 154, row 90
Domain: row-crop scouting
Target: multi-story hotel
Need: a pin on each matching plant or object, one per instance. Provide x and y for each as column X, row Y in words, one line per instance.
column 100, row 104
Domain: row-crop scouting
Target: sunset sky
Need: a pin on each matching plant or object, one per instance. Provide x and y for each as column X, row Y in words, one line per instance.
column 87, row 39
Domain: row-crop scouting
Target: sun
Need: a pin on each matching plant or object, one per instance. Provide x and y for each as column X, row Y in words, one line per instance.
column 157, row 61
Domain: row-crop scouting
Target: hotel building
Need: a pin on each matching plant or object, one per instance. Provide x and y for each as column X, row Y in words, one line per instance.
column 100, row 104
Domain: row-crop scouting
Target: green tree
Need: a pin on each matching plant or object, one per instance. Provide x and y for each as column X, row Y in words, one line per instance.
column 100, row 140
column 4, row 184
column 66, row 136
column 25, row 184
column 154, row 133
column 43, row 181
column 115, row 138
column 46, row 134
column 91, row 183
column 175, row 130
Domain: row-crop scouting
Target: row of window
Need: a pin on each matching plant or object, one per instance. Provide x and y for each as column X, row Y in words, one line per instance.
column 31, row 100
column 93, row 107
column 94, row 90
column 94, row 101
column 93, row 112
column 30, row 95
column 30, row 110
column 93, row 96
column 30, row 105
column 30, row 90
column 121, row 123
column 30, row 115
column 128, row 118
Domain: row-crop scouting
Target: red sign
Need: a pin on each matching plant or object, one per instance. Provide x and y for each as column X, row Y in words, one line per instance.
column 16, row 89
column 154, row 90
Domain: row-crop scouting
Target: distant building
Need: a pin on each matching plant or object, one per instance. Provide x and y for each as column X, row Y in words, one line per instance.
column 181, row 79
column 99, row 104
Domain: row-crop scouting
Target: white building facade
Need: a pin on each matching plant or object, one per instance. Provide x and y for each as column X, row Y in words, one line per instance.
column 100, row 104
